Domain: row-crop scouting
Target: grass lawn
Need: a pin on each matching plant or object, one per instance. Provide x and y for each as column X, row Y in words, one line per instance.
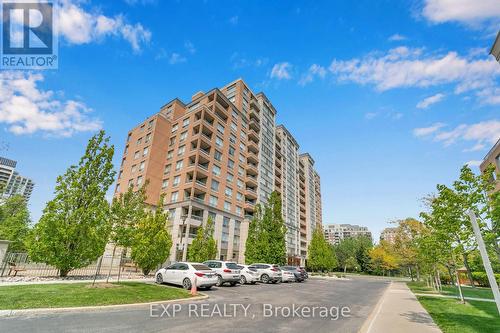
column 454, row 317
column 82, row 294
column 421, row 287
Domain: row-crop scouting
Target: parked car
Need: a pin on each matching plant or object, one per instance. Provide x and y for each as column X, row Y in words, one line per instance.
column 248, row 274
column 303, row 270
column 226, row 271
column 298, row 275
column 187, row 273
column 267, row 273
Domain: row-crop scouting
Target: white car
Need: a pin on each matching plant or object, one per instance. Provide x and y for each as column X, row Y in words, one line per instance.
column 186, row 274
column 287, row 276
column 267, row 273
column 248, row 275
column 226, row 271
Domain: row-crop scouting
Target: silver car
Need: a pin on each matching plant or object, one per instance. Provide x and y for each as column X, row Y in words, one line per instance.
column 267, row 273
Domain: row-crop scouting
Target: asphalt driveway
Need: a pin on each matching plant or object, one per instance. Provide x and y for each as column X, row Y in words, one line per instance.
column 311, row 307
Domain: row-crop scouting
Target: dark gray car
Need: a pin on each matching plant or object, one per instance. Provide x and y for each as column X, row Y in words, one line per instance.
column 299, row 275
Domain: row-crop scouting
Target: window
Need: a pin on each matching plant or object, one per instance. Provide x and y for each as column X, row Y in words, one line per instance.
column 130, row 182
column 174, row 197
column 219, row 142
column 241, row 171
column 231, row 151
column 139, row 141
column 175, row 128
column 141, row 166
column 215, row 185
column 176, row 181
column 234, row 127
column 145, row 151
column 148, row 137
column 213, row 200
column 227, row 206
column 150, row 124
column 220, row 128
column 216, row 170
column 229, row 178
column 172, row 141
column 134, row 168
column 230, row 164
column 242, row 158
column 170, row 154
column 228, row 192
column 239, row 196
column 240, row 183
column 218, row 155
column 139, row 181
column 238, row 211
column 181, row 150
column 136, row 155
column 232, row 138
column 183, row 136
column 178, row 165
column 185, row 122
column 164, row 184
column 167, row 168
column 129, row 136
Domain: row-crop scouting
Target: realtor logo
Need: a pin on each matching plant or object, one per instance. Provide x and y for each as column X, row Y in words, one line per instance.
column 28, row 38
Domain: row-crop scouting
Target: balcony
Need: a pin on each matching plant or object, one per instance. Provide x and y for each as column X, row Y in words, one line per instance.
column 254, row 114
column 252, row 135
column 255, row 125
column 252, row 169
column 253, row 146
column 250, row 193
column 252, row 158
column 251, row 180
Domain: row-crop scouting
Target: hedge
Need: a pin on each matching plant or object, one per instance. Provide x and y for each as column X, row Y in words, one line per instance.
column 482, row 279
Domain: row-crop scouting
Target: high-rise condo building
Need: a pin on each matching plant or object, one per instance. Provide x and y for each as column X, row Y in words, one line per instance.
column 492, row 157
column 218, row 156
column 336, row 233
column 13, row 183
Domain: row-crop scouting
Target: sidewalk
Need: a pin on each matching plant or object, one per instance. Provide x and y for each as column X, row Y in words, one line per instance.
column 398, row 310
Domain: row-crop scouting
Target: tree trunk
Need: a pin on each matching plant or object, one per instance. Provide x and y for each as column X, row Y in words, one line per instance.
column 417, row 270
column 451, row 274
column 111, row 264
column 345, row 268
column 469, row 273
column 63, row 272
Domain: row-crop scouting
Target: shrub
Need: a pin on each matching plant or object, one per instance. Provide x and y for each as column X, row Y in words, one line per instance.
column 482, row 278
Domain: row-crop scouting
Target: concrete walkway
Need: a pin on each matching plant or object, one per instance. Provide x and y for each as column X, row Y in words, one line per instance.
column 398, row 310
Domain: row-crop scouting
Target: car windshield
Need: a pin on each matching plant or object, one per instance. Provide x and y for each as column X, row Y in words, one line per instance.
column 201, row 267
column 232, row 265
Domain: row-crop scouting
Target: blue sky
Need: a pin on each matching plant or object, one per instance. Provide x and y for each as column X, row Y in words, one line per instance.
column 389, row 97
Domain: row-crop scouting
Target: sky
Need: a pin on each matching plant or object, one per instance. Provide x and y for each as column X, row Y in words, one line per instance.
column 389, row 97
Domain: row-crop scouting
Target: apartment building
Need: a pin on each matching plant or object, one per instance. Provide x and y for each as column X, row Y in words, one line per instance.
column 336, row 233
column 492, row 157
column 214, row 156
column 388, row 235
column 13, row 183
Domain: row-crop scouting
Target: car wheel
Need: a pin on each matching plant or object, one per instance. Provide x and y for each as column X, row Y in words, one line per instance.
column 264, row 278
column 186, row 283
column 243, row 279
column 208, row 288
column 219, row 281
column 159, row 278
column 274, row 282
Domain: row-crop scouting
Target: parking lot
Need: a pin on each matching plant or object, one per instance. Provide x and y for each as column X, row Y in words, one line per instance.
column 289, row 307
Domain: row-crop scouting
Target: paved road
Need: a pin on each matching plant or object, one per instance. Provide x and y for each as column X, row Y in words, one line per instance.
column 234, row 309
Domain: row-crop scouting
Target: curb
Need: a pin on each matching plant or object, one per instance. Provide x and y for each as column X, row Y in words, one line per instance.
column 10, row 313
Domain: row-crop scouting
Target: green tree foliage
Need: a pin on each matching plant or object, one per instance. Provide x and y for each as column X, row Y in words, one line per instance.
column 14, row 222
column 320, row 254
column 345, row 252
column 74, row 227
column 266, row 235
column 152, row 241
column 203, row 246
column 363, row 247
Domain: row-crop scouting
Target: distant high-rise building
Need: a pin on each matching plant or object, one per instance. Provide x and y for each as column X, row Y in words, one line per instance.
column 335, row 233
column 492, row 157
column 219, row 155
column 388, row 235
column 12, row 182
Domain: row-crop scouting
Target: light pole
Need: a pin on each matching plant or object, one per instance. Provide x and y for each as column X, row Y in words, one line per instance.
column 486, row 259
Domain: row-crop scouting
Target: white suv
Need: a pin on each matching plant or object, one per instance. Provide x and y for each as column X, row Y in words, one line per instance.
column 186, row 274
column 226, row 271
column 248, row 275
column 267, row 273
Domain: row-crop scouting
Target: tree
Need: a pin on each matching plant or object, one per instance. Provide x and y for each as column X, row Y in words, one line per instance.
column 126, row 211
column 203, row 246
column 382, row 260
column 363, row 246
column 14, row 222
column 74, row 226
column 266, row 235
column 345, row 252
column 152, row 241
column 320, row 253
column 405, row 246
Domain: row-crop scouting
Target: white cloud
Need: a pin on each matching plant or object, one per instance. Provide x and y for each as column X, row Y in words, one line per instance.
column 370, row 115
column 426, row 102
column 424, row 131
column 26, row 109
column 241, row 61
column 314, row 70
column 189, row 47
column 407, row 67
column 465, row 11
column 78, row 26
column 281, row 71
column 474, row 163
column 485, row 132
column 476, row 147
column 397, row 38
column 176, row 58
